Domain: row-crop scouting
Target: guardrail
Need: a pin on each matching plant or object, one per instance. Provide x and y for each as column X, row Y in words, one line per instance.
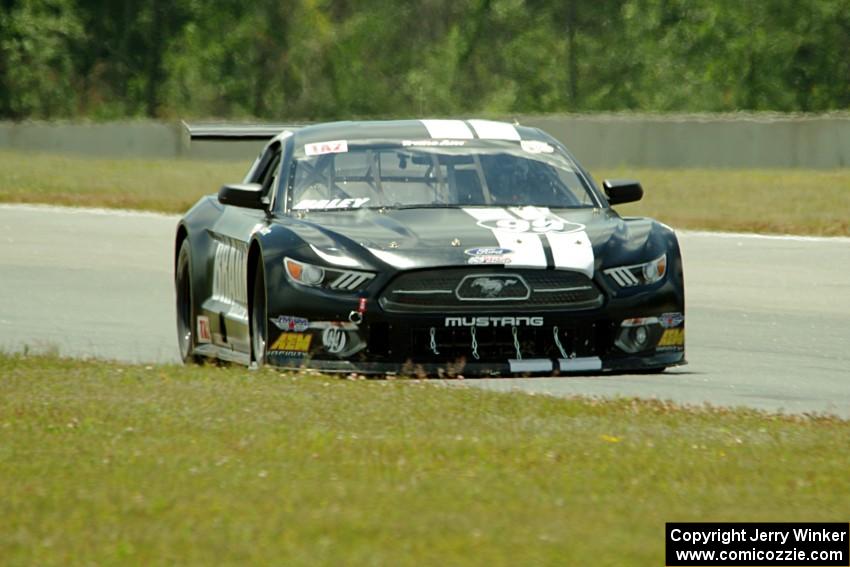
column 631, row 140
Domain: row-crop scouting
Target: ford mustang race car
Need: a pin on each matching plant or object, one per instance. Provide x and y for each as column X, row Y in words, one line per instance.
column 424, row 246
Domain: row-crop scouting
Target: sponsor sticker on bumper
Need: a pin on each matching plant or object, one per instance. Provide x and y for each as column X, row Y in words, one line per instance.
column 291, row 324
column 292, row 343
column 672, row 338
column 671, row 320
column 204, row 335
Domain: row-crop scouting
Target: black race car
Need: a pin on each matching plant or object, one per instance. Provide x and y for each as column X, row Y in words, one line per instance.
column 429, row 246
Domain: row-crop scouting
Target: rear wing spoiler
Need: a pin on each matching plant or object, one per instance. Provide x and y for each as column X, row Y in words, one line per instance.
column 236, row 132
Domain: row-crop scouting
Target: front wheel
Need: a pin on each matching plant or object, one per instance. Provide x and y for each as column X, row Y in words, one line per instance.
column 259, row 320
column 185, row 305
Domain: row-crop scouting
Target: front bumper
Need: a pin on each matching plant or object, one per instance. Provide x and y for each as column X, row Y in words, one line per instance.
column 341, row 334
column 535, row 343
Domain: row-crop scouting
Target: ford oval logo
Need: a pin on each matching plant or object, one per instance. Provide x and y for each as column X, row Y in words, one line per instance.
column 487, row 251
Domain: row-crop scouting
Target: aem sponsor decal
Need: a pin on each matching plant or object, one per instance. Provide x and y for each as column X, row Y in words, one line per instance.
column 322, row 148
column 292, row 342
column 204, row 335
column 331, row 203
column 290, row 324
column 494, row 321
column 672, row 338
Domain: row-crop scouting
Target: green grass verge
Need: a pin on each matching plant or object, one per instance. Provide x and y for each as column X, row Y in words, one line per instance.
column 789, row 201
column 773, row 201
column 111, row 464
column 170, row 186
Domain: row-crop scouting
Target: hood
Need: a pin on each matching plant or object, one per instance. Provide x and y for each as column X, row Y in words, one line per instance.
column 523, row 237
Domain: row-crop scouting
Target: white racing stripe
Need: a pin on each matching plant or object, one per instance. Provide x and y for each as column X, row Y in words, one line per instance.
column 531, row 213
column 570, row 245
column 530, row 365
column 582, row 364
column 490, row 130
column 520, row 229
column 448, row 129
column 572, row 251
column 526, row 249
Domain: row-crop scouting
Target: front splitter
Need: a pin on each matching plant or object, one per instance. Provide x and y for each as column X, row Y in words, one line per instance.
column 513, row 367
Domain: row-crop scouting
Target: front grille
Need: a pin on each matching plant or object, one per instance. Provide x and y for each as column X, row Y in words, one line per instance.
column 488, row 289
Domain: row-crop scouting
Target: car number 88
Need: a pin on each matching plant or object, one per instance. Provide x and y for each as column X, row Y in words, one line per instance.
column 538, row 225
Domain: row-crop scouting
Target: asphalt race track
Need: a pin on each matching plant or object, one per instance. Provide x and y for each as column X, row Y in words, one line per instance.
column 768, row 318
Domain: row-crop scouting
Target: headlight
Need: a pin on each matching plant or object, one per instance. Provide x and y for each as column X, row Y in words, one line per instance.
column 328, row 278
column 654, row 271
column 639, row 274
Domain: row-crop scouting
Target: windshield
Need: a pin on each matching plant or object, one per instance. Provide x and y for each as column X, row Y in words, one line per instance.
column 403, row 176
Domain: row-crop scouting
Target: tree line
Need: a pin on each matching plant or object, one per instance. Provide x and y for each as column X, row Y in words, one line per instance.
column 328, row 59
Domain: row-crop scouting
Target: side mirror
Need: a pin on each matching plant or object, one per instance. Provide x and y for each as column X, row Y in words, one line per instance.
column 622, row 191
column 248, row 195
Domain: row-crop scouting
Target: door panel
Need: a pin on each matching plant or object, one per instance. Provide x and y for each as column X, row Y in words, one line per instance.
column 229, row 298
column 231, row 235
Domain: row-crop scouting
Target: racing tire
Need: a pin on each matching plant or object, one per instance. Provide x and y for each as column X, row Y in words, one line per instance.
column 259, row 319
column 186, row 340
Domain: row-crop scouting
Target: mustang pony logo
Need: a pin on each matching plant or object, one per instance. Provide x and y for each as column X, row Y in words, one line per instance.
column 491, row 287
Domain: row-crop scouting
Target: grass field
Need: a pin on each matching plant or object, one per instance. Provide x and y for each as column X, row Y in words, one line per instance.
column 110, row 464
column 772, row 201
column 170, row 186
